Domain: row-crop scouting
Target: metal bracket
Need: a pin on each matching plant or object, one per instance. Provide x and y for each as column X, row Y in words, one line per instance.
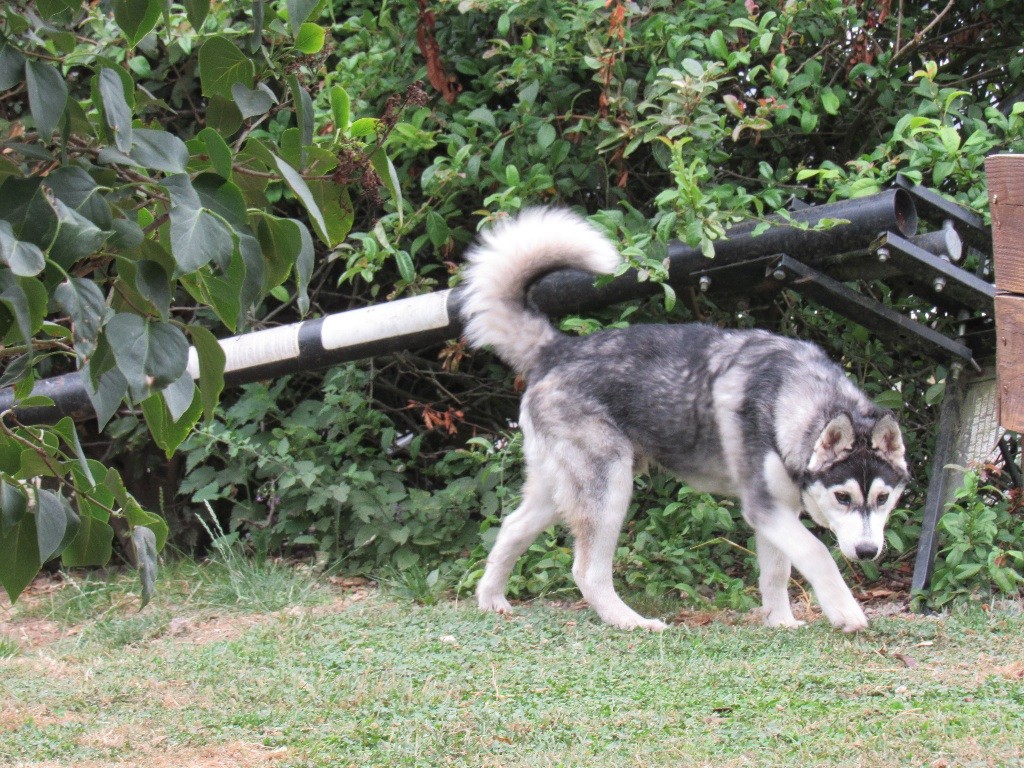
column 935, row 207
column 873, row 315
column 935, row 274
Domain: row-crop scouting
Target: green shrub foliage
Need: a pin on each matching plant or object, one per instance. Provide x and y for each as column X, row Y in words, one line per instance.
column 173, row 172
column 164, row 170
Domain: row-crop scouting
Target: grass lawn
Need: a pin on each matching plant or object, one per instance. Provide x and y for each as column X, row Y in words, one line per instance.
column 275, row 669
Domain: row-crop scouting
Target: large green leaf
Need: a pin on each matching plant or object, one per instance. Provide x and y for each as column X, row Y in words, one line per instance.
column 106, row 394
column 196, row 11
column 253, row 101
column 92, row 545
column 26, row 299
column 84, row 302
column 116, row 112
column 136, row 18
column 210, row 359
column 47, row 96
column 76, row 237
column 178, row 395
column 24, row 259
column 298, row 12
column 221, row 65
column 286, row 245
column 154, row 284
column 168, row 431
column 218, row 151
column 144, row 542
column 149, row 353
column 19, row 556
column 78, row 190
column 56, row 523
column 159, row 151
column 198, row 236
column 336, row 206
column 12, row 67
column 13, row 505
column 310, row 38
column 298, row 185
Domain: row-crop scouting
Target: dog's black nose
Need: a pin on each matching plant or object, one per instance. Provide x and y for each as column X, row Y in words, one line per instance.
column 866, row 551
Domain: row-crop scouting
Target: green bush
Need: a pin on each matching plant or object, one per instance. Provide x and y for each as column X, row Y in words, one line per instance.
column 982, row 553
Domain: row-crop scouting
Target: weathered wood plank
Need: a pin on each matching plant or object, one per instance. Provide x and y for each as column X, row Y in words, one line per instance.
column 1010, row 360
column 1006, row 202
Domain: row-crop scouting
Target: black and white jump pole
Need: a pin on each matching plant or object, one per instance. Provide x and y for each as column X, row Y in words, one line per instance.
column 433, row 318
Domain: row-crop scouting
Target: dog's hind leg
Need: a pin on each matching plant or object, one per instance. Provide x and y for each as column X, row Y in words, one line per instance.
column 518, row 530
column 596, row 515
column 774, row 582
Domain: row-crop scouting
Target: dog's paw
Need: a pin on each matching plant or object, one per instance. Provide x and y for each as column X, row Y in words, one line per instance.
column 850, row 619
column 782, row 619
column 637, row 621
column 493, row 603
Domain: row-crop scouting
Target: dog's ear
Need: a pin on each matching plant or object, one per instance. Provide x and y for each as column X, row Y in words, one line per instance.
column 834, row 443
column 887, row 441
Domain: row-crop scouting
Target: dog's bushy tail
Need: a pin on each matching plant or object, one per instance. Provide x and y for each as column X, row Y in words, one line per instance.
column 503, row 263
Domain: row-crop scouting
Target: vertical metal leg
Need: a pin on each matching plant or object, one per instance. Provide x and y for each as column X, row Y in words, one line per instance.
column 939, row 486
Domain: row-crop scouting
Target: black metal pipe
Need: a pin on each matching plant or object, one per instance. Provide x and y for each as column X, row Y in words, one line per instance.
column 860, row 221
column 433, row 318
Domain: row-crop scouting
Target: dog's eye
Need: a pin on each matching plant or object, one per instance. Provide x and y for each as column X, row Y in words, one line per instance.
column 843, row 498
column 882, row 498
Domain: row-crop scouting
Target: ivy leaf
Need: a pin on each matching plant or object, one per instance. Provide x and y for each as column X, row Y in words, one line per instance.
column 92, row 545
column 340, row 108
column 84, row 302
column 47, row 96
column 150, row 354
column 219, row 152
column 159, row 151
column 56, row 523
column 144, row 543
column 221, row 65
column 253, row 101
column 197, row 235
column 136, row 18
column 310, row 38
column 154, row 284
column 12, row 67
column 19, row 556
column 196, row 12
column 26, row 299
column 24, row 259
column 167, row 431
column 107, row 394
column 209, row 362
column 298, row 12
column 74, row 186
column 76, row 236
column 298, row 185
column 116, row 112
column 178, row 395
column 13, row 505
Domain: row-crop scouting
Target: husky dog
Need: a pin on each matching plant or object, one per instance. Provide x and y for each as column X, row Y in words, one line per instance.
column 743, row 413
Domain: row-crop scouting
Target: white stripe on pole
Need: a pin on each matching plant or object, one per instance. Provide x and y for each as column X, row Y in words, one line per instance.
column 385, row 321
column 252, row 349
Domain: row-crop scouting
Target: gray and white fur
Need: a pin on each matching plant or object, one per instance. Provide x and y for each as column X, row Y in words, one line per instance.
column 744, row 413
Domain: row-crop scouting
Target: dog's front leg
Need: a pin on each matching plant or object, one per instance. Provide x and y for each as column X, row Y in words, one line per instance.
column 782, row 529
column 774, row 583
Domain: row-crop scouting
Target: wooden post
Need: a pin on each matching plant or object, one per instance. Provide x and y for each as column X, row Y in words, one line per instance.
column 1006, row 201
